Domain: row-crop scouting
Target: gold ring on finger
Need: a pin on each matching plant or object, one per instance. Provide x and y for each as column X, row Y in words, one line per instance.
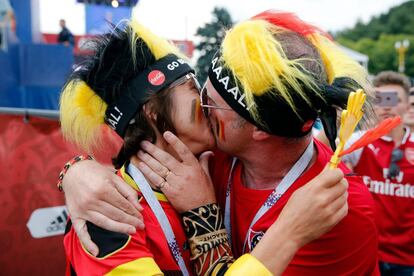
column 162, row 184
column 167, row 174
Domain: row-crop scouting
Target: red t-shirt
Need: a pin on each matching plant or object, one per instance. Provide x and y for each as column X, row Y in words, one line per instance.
column 394, row 198
column 131, row 254
column 350, row 248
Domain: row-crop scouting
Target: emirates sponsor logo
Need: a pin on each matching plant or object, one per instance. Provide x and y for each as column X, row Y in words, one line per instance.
column 409, row 155
column 389, row 188
column 156, row 77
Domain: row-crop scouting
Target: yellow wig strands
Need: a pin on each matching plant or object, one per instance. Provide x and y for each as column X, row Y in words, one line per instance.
column 83, row 111
column 259, row 62
column 159, row 47
column 81, row 115
column 337, row 63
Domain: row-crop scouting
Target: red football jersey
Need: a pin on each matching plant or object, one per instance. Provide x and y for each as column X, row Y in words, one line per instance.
column 394, row 197
column 144, row 253
column 350, row 248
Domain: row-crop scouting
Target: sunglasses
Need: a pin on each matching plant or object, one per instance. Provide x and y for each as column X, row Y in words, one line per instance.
column 206, row 102
column 183, row 79
column 394, row 169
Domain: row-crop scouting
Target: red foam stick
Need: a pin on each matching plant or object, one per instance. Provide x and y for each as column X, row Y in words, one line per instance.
column 373, row 134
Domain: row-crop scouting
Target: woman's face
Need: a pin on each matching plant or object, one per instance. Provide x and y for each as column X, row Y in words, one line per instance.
column 191, row 126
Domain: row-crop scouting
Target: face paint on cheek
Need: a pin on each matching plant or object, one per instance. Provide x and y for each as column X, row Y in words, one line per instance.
column 199, row 111
column 220, row 130
column 196, row 112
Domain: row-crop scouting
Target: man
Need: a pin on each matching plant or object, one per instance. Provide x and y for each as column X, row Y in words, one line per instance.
column 387, row 168
column 273, row 76
column 65, row 36
column 7, row 19
column 409, row 116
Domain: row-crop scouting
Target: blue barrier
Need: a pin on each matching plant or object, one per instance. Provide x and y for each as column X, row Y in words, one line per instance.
column 32, row 75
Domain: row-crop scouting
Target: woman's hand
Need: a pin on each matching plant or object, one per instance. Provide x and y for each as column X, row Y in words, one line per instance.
column 186, row 183
column 94, row 193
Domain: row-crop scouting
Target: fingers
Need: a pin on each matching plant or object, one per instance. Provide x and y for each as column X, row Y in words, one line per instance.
column 118, row 215
column 116, row 200
column 150, row 175
column 111, row 225
column 329, row 177
column 336, row 191
column 204, row 158
column 182, row 150
column 161, row 156
column 130, row 194
column 340, row 214
column 338, row 203
column 82, row 231
column 155, row 166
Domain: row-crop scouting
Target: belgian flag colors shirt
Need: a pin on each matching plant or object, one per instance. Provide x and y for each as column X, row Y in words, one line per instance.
column 144, row 253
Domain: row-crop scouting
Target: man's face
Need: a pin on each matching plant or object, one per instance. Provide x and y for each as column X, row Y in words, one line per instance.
column 401, row 107
column 230, row 130
column 409, row 116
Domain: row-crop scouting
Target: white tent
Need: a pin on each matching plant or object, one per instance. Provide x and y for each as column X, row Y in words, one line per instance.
column 361, row 58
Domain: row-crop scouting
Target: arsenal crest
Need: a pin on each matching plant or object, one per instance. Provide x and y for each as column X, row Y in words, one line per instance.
column 409, row 155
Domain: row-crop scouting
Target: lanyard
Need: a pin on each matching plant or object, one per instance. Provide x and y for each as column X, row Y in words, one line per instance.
column 276, row 194
column 155, row 206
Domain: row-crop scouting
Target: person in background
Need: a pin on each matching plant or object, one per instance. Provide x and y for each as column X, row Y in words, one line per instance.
column 65, row 36
column 7, row 20
column 409, row 116
column 387, row 169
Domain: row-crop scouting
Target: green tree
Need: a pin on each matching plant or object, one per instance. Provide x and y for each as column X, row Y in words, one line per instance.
column 398, row 20
column 211, row 35
column 382, row 53
column 377, row 38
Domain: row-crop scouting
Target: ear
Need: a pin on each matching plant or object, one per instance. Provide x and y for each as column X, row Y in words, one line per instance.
column 148, row 112
column 259, row 135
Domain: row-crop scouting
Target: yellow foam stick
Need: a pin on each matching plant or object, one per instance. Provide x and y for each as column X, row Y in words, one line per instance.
column 349, row 120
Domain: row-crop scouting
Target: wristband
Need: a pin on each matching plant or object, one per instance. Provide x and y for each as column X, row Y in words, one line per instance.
column 74, row 160
column 204, row 227
column 248, row 265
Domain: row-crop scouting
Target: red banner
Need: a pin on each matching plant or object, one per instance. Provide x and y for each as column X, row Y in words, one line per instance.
column 32, row 217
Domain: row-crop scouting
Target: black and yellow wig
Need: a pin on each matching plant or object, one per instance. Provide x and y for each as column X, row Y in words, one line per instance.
column 280, row 74
column 130, row 64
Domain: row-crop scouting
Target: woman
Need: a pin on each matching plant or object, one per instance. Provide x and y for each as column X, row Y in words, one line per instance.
column 139, row 86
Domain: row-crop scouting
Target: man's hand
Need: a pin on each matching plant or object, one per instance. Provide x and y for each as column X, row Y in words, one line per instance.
column 94, row 193
column 310, row 212
column 186, row 182
column 317, row 207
